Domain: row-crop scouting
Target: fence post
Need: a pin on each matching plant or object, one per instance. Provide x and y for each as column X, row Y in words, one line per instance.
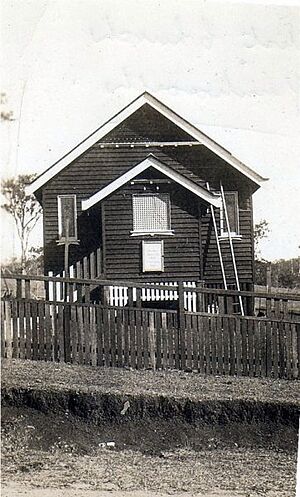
column 8, row 329
column 98, row 263
column 67, row 330
column 181, row 324
column 297, row 328
column 132, row 341
column 19, row 289
column 27, row 289
column 152, row 340
column 138, row 323
column 104, row 295
column 269, row 276
column 200, row 297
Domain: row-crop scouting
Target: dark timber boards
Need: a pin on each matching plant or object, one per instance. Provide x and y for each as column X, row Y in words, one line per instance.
column 193, row 242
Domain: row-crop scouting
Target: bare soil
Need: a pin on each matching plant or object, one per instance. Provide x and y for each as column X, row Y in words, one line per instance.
column 18, row 490
column 87, row 379
column 179, row 433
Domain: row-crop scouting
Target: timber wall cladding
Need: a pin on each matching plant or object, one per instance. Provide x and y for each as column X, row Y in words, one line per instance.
column 181, row 250
column 99, row 166
column 84, row 177
column 242, row 248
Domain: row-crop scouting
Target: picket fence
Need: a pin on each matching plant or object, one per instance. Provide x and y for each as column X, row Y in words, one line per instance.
column 134, row 336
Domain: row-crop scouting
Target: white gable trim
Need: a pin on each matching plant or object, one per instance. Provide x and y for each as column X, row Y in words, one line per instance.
column 145, row 98
column 159, row 166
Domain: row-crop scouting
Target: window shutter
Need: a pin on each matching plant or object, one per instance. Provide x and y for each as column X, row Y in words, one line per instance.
column 231, row 204
column 151, row 212
column 231, row 200
column 67, row 215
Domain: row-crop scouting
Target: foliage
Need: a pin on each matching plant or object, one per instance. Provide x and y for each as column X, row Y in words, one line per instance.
column 34, row 263
column 260, row 277
column 261, row 231
column 24, row 208
column 284, row 273
column 5, row 115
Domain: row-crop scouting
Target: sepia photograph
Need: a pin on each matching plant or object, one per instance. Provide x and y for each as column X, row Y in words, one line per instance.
column 150, row 248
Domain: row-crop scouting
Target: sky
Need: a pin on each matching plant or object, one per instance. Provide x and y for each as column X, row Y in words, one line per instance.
column 231, row 68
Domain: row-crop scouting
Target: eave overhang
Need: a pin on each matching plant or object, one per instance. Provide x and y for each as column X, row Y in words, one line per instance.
column 153, row 162
column 143, row 99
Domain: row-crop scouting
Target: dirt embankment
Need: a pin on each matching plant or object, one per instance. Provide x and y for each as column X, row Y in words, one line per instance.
column 171, row 431
column 99, row 408
column 99, row 395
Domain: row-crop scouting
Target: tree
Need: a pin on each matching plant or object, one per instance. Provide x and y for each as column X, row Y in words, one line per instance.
column 25, row 209
column 5, row 115
column 261, row 230
column 34, row 263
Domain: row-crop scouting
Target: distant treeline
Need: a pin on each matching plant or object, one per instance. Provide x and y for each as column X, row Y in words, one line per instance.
column 284, row 273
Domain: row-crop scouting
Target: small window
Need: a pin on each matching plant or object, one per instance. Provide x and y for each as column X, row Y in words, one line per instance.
column 153, row 255
column 67, row 216
column 232, row 207
column 151, row 213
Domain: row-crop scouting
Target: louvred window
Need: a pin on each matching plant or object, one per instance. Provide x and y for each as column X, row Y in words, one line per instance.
column 151, row 213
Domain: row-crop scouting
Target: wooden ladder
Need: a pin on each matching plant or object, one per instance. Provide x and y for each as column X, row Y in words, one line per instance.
column 237, row 282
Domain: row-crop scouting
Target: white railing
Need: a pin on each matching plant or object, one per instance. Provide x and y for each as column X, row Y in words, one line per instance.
column 118, row 296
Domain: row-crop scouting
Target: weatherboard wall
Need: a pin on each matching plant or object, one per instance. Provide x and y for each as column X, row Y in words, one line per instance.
column 194, row 239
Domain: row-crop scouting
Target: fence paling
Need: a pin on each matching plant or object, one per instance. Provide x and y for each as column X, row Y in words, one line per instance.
column 226, row 344
column 296, row 357
column 191, row 296
column 95, row 334
column 261, row 355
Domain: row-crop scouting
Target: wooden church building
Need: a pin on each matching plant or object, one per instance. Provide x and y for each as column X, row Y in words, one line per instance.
column 149, row 198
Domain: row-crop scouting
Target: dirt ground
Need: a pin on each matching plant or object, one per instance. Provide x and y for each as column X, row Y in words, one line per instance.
column 50, row 452
column 58, row 376
column 47, row 455
column 18, row 490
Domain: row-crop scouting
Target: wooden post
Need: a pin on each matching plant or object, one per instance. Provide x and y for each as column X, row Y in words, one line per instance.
column 98, row 262
column 200, row 297
column 67, row 242
column 92, row 266
column 269, row 276
column 152, row 340
column 268, row 283
column 8, row 329
column 27, row 289
column 104, row 292
column 139, row 328
column 181, row 325
column 200, row 240
column 103, row 265
column 19, row 289
column 66, row 258
column 132, row 341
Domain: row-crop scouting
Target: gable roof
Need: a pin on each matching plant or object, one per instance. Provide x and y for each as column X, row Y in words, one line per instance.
column 151, row 161
column 143, row 99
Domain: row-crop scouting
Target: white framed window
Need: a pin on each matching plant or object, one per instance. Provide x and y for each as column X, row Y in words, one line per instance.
column 153, row 256
column 232, row 207
column 151, row 213
column 67, row 216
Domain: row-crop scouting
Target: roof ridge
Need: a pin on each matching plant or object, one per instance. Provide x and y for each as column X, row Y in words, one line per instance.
column 123, row 114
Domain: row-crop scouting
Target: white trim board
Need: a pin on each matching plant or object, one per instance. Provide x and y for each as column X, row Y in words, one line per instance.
column 143, row 99
column 151, row 161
